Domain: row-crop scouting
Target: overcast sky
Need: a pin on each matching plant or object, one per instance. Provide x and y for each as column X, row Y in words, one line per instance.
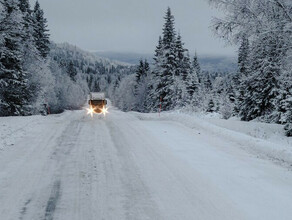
column 131, row 25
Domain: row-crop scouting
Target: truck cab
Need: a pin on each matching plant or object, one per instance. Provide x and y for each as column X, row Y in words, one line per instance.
column 97, row 102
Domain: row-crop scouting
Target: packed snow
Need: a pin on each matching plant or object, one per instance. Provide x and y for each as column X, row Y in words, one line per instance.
column 142, row 166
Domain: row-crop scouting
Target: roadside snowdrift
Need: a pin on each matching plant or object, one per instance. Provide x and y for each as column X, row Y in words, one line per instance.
column 264, row 140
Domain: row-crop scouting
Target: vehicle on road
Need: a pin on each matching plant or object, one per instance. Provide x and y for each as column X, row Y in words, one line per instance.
column 97, row 103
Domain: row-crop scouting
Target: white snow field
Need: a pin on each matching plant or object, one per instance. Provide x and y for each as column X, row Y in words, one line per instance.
column 138, row 166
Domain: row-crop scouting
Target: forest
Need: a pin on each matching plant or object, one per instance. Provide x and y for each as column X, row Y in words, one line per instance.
column 38, row 76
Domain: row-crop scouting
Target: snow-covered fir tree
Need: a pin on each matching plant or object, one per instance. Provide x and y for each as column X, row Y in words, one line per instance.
column 193, row 85
column 242, row 74
column 182, row 71
column 13, row 79
column 72, row 71
column 153, row 98
column 141, row 86
column 142, row 70
column 41, row 34
column 164, row 69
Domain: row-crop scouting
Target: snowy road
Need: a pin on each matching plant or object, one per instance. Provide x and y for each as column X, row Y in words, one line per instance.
column 71, row 166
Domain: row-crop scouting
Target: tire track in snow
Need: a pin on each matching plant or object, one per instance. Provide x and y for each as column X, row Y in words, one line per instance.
column 24, row 209
column 60, row 155
column 137, row 199
column 53, row 201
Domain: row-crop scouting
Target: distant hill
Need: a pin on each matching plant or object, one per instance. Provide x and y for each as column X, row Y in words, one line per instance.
column 208, row 63
column 131, row 58
column 63, row 51
column 218, row 63
column 98, row 71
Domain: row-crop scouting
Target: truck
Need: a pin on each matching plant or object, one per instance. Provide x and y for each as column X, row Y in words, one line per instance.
column 97, row 102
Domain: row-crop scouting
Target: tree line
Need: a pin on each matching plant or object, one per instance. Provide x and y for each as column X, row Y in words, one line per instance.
column 261, row 89
column 31, row 82
column 174, row 80
column 263, row 31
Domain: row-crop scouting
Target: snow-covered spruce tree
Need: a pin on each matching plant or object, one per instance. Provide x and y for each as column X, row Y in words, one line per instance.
column 32, row 62
column 141, row 70
column 243, row 57
column 196, row 64
column 288, row 114
column 223, row 95
column 182, row 71
column 164, row 69
column 72, row 71
column 13, row 79
column 153, row 97
column 284, row 106
column 24, row 6
column 193, row 85
column 41, row 35
column 141, row 86
column 96, row 87
column 242, row 73
column 261, row 88
column 211, row 106
column 207, row 82
column 205, row 89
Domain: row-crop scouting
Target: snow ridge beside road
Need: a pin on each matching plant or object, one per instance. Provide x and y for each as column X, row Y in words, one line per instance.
column 260, row 139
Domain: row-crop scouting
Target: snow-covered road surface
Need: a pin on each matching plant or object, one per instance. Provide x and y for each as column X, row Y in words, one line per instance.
column 72, row 166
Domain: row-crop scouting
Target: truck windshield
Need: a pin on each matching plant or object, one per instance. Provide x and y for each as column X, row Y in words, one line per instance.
column 97, row 102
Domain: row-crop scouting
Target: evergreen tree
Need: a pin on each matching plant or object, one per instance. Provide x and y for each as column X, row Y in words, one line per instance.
column 207, row 82
column 24, row 6
column 165, row 68
column 146, row 66
column 179, row 55
column 41, row 35
column 261, row 87
column 284, row 104
column 96, row 86
column 211, row 106
column 192, row 83
column 32, row 62
column 158, row 52
column 182, row 70
column 197, row 67
column 242, row 74
column 13, row 79
column 153, row 97
column 72, row 71
column 243, row 57
column 140, row 71
column 288, row 114
column 141, row 90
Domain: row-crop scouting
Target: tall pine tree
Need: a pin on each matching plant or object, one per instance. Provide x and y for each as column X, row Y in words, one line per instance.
column 192, row 82
column 41, row 34
column 261, row 88
column 13, row 79
column 182, row 70
column 165, row 68
column 240, row 78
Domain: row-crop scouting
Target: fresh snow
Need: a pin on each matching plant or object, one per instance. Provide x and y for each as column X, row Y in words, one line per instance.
column 142, row 166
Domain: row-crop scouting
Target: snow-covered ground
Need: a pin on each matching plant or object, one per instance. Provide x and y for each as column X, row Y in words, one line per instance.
column 141, row 166
column 263, row 140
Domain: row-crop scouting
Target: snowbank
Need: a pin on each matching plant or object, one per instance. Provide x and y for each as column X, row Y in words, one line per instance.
column 264, row 140
column 14, row 129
